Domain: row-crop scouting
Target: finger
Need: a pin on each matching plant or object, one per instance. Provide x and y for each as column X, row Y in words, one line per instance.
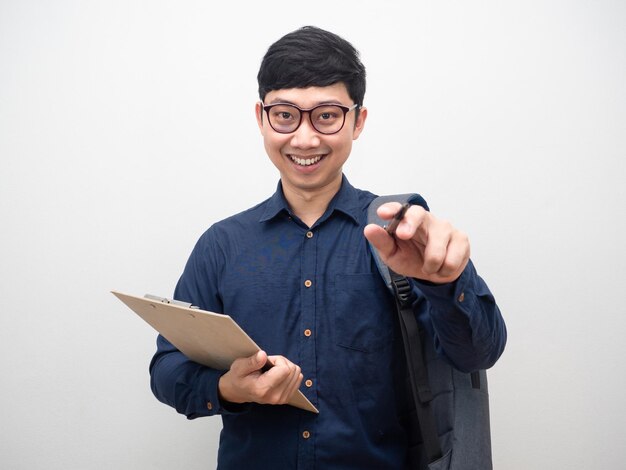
column 415, row 222
column 397, row 213
column 381, row 240
column 281, row 380
column 282, row 371
column 388, row 210
column 292, row 385
column 247, row 365
column 438, row 238
column 280, row 361
column 457, row 256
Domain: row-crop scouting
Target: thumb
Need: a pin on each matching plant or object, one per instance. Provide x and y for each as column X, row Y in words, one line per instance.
column 256, row 361
column 381, row 240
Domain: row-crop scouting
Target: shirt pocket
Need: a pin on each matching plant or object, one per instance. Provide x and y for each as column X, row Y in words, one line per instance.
column 363, row 312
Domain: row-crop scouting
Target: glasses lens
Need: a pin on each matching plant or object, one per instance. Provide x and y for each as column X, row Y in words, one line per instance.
column 327, row 119
column 284, row 118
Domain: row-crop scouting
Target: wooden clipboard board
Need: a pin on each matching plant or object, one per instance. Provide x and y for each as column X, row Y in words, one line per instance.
column 212, row 339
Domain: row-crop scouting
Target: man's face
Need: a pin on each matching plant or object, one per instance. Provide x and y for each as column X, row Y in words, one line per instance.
column 309, row 161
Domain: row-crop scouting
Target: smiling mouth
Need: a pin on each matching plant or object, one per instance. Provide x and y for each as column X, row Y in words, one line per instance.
column 306, row 161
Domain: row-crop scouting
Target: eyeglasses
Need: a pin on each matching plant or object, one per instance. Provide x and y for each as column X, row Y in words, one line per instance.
column 325, row 118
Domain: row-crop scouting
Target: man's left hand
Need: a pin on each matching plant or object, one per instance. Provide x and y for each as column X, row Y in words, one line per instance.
column 423, row 247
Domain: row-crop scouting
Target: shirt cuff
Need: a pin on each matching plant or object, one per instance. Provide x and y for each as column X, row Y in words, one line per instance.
column 209, row 402
column 457, row 294
column 457, row 308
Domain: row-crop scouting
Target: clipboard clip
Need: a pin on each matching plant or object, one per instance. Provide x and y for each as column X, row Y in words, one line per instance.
column 165, row 300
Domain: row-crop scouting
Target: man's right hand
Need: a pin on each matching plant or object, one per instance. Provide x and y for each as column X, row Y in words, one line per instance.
column 245, row 382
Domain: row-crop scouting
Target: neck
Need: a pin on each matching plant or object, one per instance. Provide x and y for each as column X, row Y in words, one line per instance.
column 310, row 205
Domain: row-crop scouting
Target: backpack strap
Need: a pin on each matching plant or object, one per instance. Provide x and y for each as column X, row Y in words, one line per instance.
column 404, row 295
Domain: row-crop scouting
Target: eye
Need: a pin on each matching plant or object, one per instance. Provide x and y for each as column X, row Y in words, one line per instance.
column 283, row 113
column 327, row 116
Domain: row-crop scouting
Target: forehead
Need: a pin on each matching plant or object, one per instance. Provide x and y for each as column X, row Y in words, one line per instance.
column 311, row 96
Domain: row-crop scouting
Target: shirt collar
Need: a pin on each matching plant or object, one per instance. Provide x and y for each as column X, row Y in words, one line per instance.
column 345, row 201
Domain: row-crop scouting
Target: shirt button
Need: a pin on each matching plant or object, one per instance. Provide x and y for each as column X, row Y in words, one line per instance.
column 307, row 333
column 306, row 434
column 308, row 283
column 308, row 383
column 209, row 405
column 462, row 297
column 309, row 234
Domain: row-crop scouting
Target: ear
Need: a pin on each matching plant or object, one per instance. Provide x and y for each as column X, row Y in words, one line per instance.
column 258, row 111
column 360, row 123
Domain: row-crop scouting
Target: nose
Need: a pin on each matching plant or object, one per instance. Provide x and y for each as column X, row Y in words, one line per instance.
column 305, row 136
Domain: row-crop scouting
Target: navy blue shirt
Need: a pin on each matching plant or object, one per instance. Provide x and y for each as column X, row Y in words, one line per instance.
column 314, row 295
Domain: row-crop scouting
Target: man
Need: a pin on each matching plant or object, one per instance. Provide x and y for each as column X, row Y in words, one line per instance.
column 297, row 274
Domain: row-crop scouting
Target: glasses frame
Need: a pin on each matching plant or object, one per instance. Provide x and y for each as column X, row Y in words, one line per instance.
column 345, row 109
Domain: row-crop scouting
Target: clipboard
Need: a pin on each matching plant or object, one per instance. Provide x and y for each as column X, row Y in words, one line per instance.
column 212, row 339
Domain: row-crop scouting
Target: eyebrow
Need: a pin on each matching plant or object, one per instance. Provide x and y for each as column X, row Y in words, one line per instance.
column 278, row 99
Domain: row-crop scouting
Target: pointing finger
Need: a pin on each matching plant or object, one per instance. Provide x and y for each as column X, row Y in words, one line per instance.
column 415, row 222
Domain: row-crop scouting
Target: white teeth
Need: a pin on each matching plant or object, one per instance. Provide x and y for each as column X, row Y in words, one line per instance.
column 305, row 161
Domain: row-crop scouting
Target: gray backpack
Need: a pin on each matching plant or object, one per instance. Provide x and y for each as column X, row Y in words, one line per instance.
column 449, row 429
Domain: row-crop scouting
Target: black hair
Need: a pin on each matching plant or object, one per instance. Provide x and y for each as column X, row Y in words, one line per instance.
column 310, row 56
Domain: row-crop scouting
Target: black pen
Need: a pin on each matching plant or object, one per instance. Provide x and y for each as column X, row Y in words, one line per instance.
column 393, row 225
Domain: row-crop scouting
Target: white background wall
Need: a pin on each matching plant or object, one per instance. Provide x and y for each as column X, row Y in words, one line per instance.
column 127, row 128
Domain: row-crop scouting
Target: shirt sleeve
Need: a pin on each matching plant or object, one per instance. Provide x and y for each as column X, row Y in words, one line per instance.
column 468, row 327
column 189, row 387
